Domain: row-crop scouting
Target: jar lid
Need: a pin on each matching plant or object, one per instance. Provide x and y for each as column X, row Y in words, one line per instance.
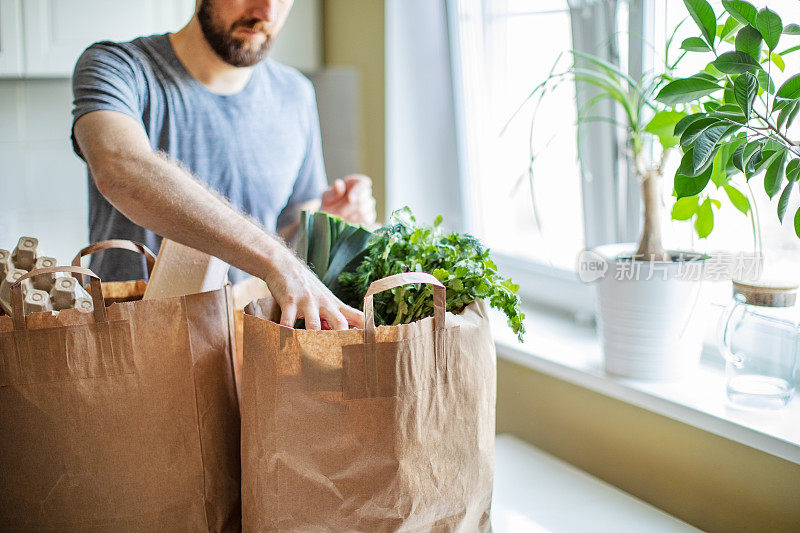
column 766, row 294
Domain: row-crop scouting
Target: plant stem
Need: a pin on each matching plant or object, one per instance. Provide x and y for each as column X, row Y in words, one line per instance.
column 758, row 131
column 650, row 247
column 776, row 130
column 757, row 249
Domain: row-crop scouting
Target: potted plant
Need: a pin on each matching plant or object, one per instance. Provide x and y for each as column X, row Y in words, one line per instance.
column 649, row 317
column 650, row 314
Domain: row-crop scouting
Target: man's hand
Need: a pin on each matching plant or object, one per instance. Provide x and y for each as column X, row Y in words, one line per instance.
column 351, row 199
column 300, row 294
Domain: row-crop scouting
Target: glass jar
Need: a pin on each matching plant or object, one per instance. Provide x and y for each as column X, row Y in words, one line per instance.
column 759, row 336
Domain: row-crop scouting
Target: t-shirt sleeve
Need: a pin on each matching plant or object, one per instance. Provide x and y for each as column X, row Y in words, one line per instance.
column 311, row 180
column 104, row 79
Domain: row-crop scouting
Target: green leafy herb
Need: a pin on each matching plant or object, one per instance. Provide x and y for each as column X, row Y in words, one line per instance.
column 458, row 260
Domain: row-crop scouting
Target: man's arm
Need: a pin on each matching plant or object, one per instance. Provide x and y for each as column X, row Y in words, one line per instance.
column 158, row 194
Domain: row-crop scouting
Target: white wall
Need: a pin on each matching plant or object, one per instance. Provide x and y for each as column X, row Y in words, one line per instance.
column 43, row 190
column 421, row 149
column 338, row 96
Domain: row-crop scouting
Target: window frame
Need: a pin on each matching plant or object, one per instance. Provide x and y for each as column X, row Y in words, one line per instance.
column 612, row 207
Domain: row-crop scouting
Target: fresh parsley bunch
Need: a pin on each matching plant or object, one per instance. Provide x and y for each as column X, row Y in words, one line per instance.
column 459, row 261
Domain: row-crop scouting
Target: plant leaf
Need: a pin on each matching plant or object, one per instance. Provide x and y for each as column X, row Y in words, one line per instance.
column 790, row 50
column 704, row 222
column 770, row 25
column 787, row 114
column 749, row 40
column 350, row 245
column 797, row 222
column 685, row 90
column 727, row 29
column 742, row 11
column 690, row 186
column 792, row 116
column 663, row 126
column 727, row 95
column 694, row 44
column 773, row 179
column 736, row 63
column 793, row 170
column 705, row 145
column 319, row 245
column 687, row 121
column 685, row 208
column 745, row 88
column 790, row 89
column 728, row 148
column 751, row 156
column 718, row 176
column 686, row 166
column 693, row 131
column 765, row 81
column 783, row 202
column 738, row 161
column 612, row 70
column 729, row 113
column 778, row 60
column 738, row 199
column 704, row 17
column 791, row 29
column 711, row 70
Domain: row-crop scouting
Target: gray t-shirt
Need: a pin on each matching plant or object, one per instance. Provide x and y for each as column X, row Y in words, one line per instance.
column 260, row 147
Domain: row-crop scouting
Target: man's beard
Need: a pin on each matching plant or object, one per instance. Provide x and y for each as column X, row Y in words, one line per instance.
column 233, row 51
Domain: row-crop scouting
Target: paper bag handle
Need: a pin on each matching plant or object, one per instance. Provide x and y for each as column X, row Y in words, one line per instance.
column 118, row 244
column 398, row 280
column 95, row 290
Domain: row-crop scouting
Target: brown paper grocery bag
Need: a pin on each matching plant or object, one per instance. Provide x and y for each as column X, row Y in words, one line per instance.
column 120, row 291
column 381, row 429
column 123, row 419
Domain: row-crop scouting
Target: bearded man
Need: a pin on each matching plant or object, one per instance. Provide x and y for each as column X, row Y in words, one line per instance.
column 198, row 137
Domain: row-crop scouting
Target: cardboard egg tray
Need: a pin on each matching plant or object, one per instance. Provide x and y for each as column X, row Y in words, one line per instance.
column 47, row 292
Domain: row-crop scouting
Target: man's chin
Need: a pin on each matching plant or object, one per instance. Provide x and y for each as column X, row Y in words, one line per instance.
column 246, row 55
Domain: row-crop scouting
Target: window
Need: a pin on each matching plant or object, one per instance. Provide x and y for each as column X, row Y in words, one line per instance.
column 502, row 49
column 537, row 224
column 520, row 46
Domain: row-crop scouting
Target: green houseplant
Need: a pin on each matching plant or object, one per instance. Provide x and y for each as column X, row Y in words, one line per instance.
column 651, row 322
column 736, row 120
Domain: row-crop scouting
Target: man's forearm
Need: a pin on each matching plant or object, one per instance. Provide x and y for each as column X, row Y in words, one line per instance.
column 163, row 197
column 158, row 194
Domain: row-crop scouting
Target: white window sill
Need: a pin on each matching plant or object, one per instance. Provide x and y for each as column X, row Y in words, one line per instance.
column 556, row 346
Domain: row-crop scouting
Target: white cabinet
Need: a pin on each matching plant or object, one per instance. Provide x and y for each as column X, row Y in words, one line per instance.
column 11, row 38
column 57, row 31
column 44, row 38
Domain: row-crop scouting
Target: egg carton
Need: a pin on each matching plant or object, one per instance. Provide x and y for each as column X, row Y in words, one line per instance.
column 47, row 292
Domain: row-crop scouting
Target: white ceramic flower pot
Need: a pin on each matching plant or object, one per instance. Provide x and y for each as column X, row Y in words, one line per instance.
column 652, row 316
